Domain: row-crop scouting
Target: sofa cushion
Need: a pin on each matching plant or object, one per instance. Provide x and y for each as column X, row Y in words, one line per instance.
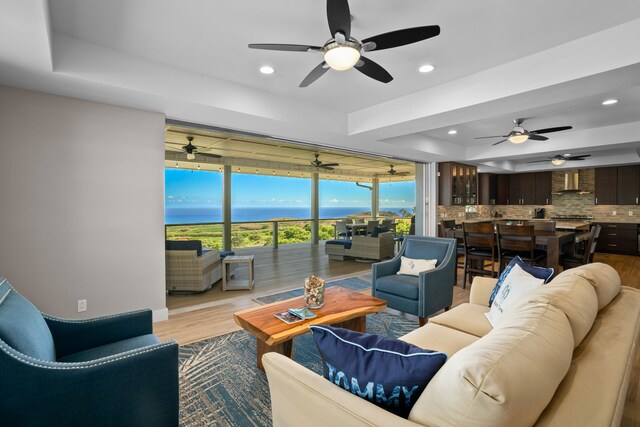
column 506, row 378
column 378, row 229
column 468, row 318
column 538, row 272
column 440, row 338
column 22, row 326
column 387, row 372
column 224, row 254
column 415, row 266
column 111, row 349
column 399, row 284
column 346, row 243
column 600, row 369
column 572, row 295
column 604, row 279
column 184, row 245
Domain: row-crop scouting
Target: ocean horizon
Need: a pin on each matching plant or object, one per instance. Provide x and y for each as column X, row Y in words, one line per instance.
column 204, row 215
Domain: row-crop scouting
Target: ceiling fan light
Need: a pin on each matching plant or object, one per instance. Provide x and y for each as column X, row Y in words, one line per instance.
column 557, row 162
column 191, row 156
column 342, row 57
column 518, row 138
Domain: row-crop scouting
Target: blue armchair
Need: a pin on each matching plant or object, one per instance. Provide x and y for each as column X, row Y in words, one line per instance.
column 106, row 371
column 425, row 294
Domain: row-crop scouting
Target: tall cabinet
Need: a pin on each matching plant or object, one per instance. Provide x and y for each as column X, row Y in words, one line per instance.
column 457, row 184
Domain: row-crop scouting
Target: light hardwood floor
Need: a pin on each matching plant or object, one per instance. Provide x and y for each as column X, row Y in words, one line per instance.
column 285, row 269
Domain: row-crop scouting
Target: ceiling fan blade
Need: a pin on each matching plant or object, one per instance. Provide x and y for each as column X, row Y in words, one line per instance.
column 536, row 137
column 331, row 164
column 373, row 70
column 285, row 47
column 581, row 157
column 213, row 156
column 314, row 75
column 549, row 130
column 499, row 142
column 540, row 161
column 339, row 17
column 329, row 168
column 402, row 37
column 495, row 136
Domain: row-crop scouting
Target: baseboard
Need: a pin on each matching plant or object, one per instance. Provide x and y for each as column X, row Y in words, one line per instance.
column 160, row 315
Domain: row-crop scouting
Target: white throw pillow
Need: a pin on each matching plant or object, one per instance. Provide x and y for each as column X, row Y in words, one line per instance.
column 413, row 267
column 516, row 285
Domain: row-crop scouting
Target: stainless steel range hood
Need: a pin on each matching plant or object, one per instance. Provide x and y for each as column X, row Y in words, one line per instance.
column 572, row 183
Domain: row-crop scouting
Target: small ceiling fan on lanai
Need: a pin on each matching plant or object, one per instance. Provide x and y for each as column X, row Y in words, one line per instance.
column 343, row 52
column 318, row 163
column 519, row 134
column 191, row 150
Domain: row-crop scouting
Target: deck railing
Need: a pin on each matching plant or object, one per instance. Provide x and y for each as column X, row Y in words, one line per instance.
column 271, row 232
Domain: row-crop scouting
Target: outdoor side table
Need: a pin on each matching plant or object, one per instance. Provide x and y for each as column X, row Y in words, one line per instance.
column 237, row 284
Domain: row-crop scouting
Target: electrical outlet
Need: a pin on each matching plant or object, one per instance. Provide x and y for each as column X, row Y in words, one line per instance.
column 630, row 213
column 82, row 305
column 615, row 213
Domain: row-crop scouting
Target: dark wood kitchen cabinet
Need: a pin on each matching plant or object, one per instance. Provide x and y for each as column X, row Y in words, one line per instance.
column 618, row 238
column 543, row 188
column 457, row 184
column 522, row 189
column 628, row 183
column 487, row 189
column 503, row 190
column 606, row 186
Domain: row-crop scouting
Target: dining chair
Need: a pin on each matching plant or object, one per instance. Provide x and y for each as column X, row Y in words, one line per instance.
column 577, row 259
column 518, row 240
column 479, row 248
column 446, row 229
column 359, row 221
column 348, row 220
column 341, row 230
column 387, row 223
column 371, row 224
column 542, row 225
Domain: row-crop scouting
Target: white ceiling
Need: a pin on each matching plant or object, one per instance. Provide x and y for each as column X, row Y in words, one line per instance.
column 550, row 61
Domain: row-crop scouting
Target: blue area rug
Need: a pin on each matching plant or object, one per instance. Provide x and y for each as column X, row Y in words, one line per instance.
column 220, row 384
column 353, row 283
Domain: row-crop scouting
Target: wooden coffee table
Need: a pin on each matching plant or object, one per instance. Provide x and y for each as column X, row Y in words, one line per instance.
column 343, row 308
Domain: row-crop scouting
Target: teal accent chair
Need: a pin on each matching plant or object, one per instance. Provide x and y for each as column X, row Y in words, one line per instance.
column 425, row 294
column 107, row 371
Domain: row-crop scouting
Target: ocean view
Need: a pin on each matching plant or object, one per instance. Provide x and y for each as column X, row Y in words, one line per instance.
column 203, row 215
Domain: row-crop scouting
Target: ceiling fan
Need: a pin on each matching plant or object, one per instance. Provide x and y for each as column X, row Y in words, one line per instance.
column 518, row 134
column 318, row 164
column 559, row 159
column 343, row 52
column 394, row 172
column 191, row 150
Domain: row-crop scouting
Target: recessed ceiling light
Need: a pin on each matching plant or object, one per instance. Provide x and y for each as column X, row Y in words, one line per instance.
column 452, row 132
column 610, row 102
column 265, row 69
column 426, row 68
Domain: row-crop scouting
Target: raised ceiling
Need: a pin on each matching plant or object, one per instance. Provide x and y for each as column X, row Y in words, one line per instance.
column 550, row 61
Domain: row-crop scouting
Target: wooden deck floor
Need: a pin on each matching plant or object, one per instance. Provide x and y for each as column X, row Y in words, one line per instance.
column 285, row 269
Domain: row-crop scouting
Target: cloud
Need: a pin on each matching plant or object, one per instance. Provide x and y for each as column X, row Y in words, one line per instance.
column 334, row 201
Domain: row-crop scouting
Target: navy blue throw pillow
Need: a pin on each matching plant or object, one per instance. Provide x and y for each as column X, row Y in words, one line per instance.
column 537, row 272
column 377, row 230
column 387, row 372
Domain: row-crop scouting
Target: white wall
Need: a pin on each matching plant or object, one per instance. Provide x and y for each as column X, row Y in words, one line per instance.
column 81, row 204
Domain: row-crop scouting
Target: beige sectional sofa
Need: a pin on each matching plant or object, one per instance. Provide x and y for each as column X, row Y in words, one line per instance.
column 561, row 356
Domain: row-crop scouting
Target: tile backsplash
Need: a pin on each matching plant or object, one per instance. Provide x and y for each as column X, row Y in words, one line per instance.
column 563, row 204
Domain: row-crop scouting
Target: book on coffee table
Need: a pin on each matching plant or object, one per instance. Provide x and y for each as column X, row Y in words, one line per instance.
column 302, row 312
column 288, row 317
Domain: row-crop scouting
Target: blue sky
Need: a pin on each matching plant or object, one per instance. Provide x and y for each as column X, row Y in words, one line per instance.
column 195, row 189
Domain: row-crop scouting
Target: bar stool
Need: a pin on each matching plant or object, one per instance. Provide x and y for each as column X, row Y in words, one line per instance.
column 518, row 240
column 576, row 259
column 479, row 247
column 446, row 228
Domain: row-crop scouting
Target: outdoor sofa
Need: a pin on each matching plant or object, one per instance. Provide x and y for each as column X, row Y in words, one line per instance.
column 361, row 247
column 560, row 356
